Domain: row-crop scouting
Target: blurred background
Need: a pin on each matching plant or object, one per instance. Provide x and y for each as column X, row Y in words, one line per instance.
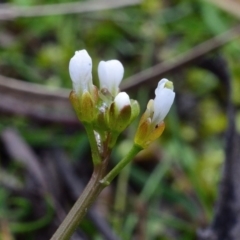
column 170, row 190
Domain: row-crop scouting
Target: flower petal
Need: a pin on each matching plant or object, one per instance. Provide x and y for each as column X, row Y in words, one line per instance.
column 110, row 75
column 161, row 85
column 102, row 74
column 162, row 104
column 80, row 69
column 122, row 100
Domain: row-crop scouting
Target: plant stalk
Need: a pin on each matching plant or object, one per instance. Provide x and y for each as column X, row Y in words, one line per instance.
column 127, row 159
column 80, row 208
column 96, row 184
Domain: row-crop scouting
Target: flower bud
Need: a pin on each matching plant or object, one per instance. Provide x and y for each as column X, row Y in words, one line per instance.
column 119, row 112
column 151, row 124
column 119, row 116
column 121, row 100
column 163, row 100
column 110, row 75
column 80, row 69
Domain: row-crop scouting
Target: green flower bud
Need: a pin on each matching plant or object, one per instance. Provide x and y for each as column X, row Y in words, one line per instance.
column 119, row 113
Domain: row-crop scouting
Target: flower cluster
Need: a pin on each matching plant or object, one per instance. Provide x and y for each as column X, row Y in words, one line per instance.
column 109, row 111
column 106, row 109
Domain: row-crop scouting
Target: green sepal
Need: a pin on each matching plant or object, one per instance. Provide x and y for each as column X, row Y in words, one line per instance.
column 75, row 100
column 106, row 96
column 135, row 110
column 119, row 120
column 87, row 108
column 101, row 123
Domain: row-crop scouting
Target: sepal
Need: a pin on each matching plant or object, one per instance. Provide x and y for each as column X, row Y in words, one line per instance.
column 135, row 110
column 147, row 133
column 87, row 106
column 84, row 106
column 142, row 132
column 119, row 120
column 74, row 99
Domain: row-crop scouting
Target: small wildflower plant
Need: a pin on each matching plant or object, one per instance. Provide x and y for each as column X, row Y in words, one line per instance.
column 105, row 112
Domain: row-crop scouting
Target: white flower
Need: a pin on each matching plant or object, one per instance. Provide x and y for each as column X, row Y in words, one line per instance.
column 163, row 100
column 110, row 75
column 122, row 100
column 80, row 68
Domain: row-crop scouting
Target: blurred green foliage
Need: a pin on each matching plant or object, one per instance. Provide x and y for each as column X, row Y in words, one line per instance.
column 178, row 196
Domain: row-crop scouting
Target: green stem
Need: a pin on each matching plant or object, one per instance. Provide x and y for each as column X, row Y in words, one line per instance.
column 114, row 172
column 93, row 143
column 96, row 184
column 80, row 208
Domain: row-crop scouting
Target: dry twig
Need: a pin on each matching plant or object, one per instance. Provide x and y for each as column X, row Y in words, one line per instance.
column 10, row 12
column 43, row 104
column 156, row 72
column 19, row 150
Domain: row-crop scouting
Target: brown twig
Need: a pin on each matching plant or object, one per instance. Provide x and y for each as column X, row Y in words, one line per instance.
column 226, row 221
column 10, row 12
column 42, row 177
column 21, row 152
column 38, row 102
column 156, row 72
